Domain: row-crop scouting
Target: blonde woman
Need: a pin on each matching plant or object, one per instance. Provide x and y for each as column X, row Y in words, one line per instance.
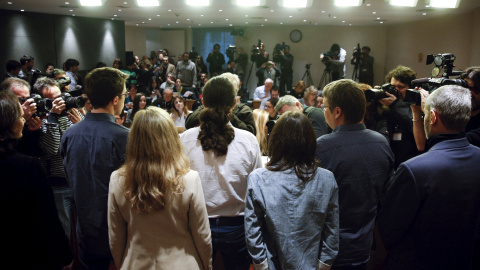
column 261, row 118
column 157, row 217
column 310, row 97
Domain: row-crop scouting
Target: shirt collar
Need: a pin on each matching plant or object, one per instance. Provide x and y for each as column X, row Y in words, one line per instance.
column 350, row 127
column 100, row 117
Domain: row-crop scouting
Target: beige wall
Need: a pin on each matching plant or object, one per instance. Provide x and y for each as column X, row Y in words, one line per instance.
column 391, row 44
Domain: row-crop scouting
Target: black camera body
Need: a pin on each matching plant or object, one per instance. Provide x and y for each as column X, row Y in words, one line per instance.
column 413, row 96
column 44, row 105
column 192, row 55
column 256, row 48
column 73, row 99
column 357, row 52
column 277, row 54
column 373, row 95
column 325, row 60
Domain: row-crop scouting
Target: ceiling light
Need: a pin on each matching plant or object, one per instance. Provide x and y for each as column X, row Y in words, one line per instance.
column 444, row 3
column 197, row 3
column 403, row 3
column 148, row 3
column 295, row 3
column 348, row 3
column 248, row 3
column 91, row 3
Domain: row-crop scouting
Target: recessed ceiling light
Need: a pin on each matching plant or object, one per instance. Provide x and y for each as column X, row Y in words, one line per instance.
column 119, row 10
column 367, row 6
column 211, row 22
column 290, row 16
column 381, row 22
column 158, row 15
column 374, row 12
column 66, row 3
column 22, row 10
column 148, row 3
column 246, row 15
column 281, row 23
column 220, row 10
column 149, row 19
column 73, row 15
column 198, row 3
column 188, row 19
column 424, row 14
column 176, row 22
column 199, row 24
column 378, row 18
column 114, row 15
column 323, row 11
column 137, row 24
column 343, row 21
column 304, row 20
column 91, row 3
column 266, row 20
column 112, row 19
column 201, row 15
column 271, row 10
column 226, row 19
column 230, row 24
column 169, row 10
column 350, row 24
column 125, row 3
column 71, row 10
column 334, row 17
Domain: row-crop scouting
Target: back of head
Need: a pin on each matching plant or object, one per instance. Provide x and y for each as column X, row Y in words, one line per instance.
column 102, row 85
column 453, row 104
column 403, row 74
column 9, row 113
column 261, row 118
column 233, row 78
column 25, row 58
column 12, row 65
column 292, row 144
column 347, row 95
column 155, row 160
column 219, row 99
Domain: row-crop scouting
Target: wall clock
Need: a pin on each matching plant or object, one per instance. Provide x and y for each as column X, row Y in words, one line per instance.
column 295, row 36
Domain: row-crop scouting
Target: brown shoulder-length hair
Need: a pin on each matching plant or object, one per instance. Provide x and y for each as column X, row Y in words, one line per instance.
column 185, row 108
column 292, row 145
column 215, row 132
column 155, row 161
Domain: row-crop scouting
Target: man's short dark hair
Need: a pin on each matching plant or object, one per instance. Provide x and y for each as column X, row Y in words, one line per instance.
column 12, row 65
column 403, row 74
column 186, row 54
column 275, row 88
column 287, row 46
column 102, row 85
column 335, row 47
column 347, row 95
column 26, row 58
column 71, row 63
column 49, row 64
column 366, row 48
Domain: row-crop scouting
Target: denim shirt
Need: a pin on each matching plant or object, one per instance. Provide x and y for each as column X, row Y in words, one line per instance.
column 290, row 225
column 362, row 163
column 92, row 149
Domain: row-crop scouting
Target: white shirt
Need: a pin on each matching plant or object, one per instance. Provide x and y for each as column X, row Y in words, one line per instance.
column 224, row 179
column 260, row 93
column 179, row 121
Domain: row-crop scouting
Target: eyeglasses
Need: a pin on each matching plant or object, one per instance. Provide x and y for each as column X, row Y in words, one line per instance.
column 127, row 94
column 324, row 108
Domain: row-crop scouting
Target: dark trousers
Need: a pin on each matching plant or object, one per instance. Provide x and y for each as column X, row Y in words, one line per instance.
column 228, row 238
column 285, row 84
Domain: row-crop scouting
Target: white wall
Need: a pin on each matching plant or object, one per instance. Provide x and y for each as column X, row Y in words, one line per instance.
column 391, row 45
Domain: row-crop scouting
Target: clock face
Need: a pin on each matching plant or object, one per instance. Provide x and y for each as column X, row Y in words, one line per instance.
column 296, row 35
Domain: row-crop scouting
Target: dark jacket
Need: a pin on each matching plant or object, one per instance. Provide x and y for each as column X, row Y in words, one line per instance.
column 431, row 212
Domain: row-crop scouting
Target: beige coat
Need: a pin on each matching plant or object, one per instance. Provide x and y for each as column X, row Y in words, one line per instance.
column 177, row 237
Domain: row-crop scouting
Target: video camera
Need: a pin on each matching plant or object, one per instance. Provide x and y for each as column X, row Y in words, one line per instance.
column 357, row 52
column 373, row 95
column 277, row 54
column 256, row 48
column 325, row 61
column 231, row 52
column 307, row 66
column 193, row 54
column 443, row 62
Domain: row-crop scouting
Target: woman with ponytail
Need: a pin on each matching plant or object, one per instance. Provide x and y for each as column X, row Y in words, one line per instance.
column 224, row 156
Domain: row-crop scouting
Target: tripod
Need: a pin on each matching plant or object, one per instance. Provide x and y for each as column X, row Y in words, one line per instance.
column 326, row 78
column 309, row 76
column 355, row 70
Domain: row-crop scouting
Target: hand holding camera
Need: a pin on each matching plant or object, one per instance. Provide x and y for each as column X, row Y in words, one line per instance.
column 58, row 106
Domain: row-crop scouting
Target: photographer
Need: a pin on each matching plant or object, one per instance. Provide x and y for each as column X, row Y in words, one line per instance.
column 364, row 64
column 335, row 61
column 268, row 70
column 54, row 125
column 403, row 120
column 241, row 61
column 472, row 76
column 216, row 60
column 259, row 57
column 286, row 78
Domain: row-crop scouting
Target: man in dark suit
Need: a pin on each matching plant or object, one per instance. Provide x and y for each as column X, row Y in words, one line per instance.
column 431, row 213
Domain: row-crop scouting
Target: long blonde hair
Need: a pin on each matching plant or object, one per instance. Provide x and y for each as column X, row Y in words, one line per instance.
column 261, row 118
column 155, row 160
